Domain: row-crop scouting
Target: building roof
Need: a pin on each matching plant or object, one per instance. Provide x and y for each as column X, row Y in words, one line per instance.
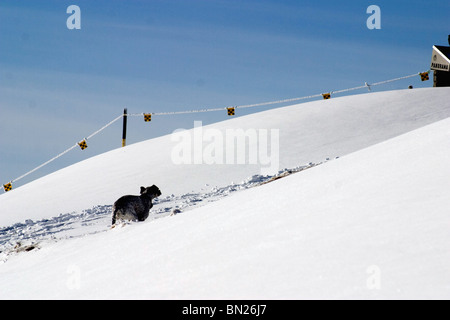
column 444, row 50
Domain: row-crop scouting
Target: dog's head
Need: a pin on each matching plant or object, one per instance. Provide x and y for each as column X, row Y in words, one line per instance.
column 151, row 192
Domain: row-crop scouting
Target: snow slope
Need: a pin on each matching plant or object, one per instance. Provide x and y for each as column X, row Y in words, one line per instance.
column 371, row 224
column 309, row 132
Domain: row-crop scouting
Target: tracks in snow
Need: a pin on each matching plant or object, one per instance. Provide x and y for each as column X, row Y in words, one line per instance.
column 30, row 235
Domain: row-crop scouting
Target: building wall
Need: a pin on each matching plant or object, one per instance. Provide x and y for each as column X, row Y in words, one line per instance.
column 441, row 79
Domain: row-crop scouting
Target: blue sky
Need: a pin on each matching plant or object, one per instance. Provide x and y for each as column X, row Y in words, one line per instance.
column 59, row 85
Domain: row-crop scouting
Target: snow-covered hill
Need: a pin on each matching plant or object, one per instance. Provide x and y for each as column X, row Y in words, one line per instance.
column 309, row 132
column 371, row 224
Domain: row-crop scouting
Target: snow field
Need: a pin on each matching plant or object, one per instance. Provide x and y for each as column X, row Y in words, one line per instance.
column 372, row 224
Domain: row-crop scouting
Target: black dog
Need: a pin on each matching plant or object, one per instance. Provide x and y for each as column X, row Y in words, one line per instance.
column 135, row 208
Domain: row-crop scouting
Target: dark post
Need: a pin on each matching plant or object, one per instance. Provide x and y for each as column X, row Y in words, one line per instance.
column 124, row 132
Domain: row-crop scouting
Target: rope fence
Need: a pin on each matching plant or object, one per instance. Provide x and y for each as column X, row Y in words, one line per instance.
column 82, row 144
column 230, row 111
